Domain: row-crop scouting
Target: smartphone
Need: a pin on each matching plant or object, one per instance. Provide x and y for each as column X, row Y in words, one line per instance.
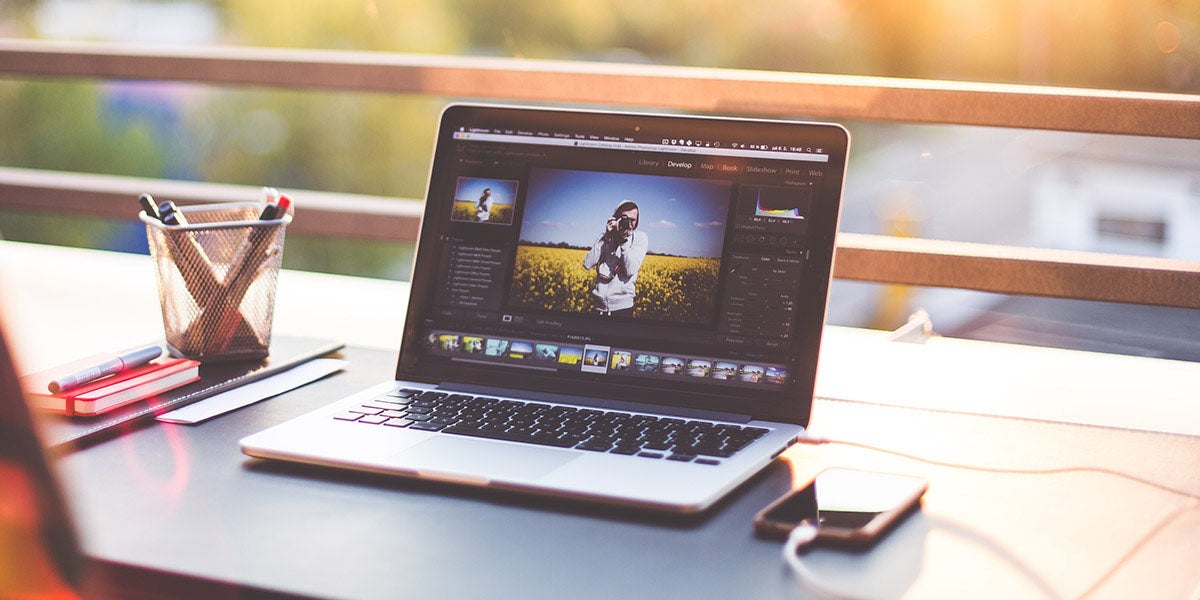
column 850, row 508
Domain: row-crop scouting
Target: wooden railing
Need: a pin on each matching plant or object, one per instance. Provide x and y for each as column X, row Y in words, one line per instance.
column 1001, row 269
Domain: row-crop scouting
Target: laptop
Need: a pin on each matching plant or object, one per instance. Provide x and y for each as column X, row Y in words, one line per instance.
column 624, row 308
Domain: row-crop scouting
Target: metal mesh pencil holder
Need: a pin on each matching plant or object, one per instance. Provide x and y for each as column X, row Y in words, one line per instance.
column 216, row 280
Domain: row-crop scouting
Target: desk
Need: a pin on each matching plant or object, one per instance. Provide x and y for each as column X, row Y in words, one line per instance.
column 184, row 500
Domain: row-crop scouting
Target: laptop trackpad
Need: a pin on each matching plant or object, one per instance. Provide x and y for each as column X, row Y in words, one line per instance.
column 490, row 460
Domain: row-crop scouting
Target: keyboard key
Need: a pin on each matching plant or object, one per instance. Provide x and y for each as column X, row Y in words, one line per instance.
column 366, row 410
column 394, row 414
column 704, row 451
column 378, row 406
column 427, row 426
column 626, row 450
column 373, row 419
column 535, row 438
column 681, row 457
column 390, row 401
column 398, row 422
column 649, row 454
column 348, row 416
column 404, row 393
column 707, row 461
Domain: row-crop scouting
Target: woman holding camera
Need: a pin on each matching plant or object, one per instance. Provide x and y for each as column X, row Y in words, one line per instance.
column 616, row 257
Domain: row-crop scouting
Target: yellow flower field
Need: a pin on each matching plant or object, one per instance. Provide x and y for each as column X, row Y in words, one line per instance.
column 464, row 210
column 669, row 288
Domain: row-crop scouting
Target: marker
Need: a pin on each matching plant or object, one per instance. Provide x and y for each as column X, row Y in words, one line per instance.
column 129, row 360
column 269, row 212
column 171, row 214
column 149, row 207
column 285, row 204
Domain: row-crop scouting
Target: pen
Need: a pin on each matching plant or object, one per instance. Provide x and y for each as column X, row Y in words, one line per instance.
column 171, row 215
column 149, row 207
column 269, row 212
column 117, row 364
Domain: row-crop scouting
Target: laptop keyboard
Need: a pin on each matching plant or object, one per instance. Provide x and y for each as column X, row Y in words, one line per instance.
column 559, row 426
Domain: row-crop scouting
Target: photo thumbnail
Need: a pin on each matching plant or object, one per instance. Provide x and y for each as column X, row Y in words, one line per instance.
column 776, row 376
column 646, row 363
column 496, row 347
column 621, row 360
column 615, row 244
column 484, row 201
column 472, row 345
column 595, row 359
column 724, row 371
column 751, row 374
column 698, row 367
column 520, row 350
column 546, row 352
column 449, row 342
column 672, row 365
column 569, row 355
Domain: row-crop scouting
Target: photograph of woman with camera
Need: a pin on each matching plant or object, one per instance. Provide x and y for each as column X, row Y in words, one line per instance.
column 616, row 257
column 656, row 257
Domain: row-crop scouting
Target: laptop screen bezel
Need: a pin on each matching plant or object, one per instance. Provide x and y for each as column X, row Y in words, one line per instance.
column 794, row 406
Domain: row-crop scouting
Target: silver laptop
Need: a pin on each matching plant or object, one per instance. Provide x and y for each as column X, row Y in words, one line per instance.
column 616, row 307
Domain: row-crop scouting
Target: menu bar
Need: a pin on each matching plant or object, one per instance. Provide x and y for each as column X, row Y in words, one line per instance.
column 669, row 145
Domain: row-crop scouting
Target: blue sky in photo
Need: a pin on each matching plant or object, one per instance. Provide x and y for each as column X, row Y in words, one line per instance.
column 470, row 188
column 680, row 216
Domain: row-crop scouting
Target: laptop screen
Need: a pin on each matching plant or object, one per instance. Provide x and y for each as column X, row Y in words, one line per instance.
column 657, row 259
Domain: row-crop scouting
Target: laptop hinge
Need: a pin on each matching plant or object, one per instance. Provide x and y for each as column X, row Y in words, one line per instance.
column 590, row 402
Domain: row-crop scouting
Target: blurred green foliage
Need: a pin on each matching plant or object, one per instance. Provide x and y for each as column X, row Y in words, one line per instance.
column 59, row 126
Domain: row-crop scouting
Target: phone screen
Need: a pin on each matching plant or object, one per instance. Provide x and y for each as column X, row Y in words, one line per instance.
column 846, row 504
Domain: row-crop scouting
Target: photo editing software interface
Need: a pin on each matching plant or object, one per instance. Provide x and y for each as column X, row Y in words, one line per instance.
column 630, row 258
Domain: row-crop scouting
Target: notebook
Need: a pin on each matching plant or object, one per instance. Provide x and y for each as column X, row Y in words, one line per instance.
column 110, row 392
column 618, row 307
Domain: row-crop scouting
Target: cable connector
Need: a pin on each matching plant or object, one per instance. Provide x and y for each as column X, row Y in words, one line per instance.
column 811, row 440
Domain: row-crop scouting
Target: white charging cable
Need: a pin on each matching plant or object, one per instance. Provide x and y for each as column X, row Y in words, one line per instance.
column 803, row 535
column 806, row 532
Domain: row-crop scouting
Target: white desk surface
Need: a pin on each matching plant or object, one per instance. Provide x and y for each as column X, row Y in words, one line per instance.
column 63, row 303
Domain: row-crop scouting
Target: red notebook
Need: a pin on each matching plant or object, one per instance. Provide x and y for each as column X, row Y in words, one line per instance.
column 113, row 391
